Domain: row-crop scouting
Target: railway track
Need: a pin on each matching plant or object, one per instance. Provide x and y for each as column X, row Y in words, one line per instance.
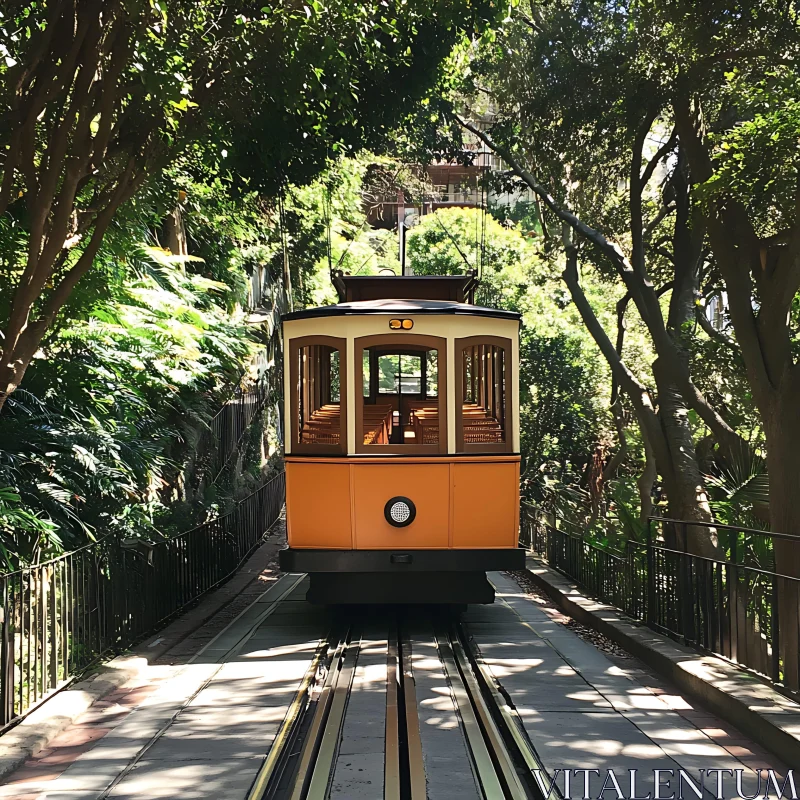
column 292, row 701
column 302, row 762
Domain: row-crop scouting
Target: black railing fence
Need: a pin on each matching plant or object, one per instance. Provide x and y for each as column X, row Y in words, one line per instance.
column 229, row 426
column 61, row 616
column 267, row 301
column 725, row 601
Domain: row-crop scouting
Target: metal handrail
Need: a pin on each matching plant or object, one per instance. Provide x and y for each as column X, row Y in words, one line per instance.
column 222, row 517
column 61, row 616
column 724, row 563
column 728, row 606
column 724, row 526
column 58, row 558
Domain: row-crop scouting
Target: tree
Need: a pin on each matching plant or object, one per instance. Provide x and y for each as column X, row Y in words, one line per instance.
column 588, row 89
column 328, row 230
column 452, row 241
column 588, row 120
column 561, row 379
column 98, row 97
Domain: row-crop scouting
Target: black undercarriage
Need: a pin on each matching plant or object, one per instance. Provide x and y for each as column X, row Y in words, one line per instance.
column 400, row 576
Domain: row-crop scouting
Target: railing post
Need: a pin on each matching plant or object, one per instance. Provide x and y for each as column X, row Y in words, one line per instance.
column 686, row 593
column 650, row 576
column 733, row 598
column 775, row 630
column 57, row 617
column 43, row 637
column 630, row 602
column 55, row 639
column 6, row 659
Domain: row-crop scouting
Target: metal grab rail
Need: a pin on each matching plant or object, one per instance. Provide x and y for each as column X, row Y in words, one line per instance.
column 59, row 617
column 727, row 602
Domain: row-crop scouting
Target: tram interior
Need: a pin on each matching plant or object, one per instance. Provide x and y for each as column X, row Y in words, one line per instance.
column 483, row 394
column 400, row 395
column 319, row 395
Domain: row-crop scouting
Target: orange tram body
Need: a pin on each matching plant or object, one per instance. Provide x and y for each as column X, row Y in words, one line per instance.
column 402, row 443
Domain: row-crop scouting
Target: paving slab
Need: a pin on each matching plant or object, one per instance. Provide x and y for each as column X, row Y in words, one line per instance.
column 359, row 768
column 448, row 766
column 205, row 619
column 203, row 731
column 733, row 694
column 358, row 777
column 211, row 779
column 630, row 726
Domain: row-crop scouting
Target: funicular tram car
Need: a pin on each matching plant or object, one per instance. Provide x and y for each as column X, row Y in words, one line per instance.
column 402, row 443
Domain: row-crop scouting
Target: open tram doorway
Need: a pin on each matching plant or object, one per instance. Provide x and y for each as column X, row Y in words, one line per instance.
column 403, row 383
column 402, row 396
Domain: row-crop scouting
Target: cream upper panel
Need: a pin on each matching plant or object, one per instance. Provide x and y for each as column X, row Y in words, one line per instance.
column 454, row 326
column 446, row 326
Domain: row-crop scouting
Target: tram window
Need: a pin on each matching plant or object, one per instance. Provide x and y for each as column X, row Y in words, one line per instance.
column 400, row 396
column 399, row 373
column 318, row 406
column 482, row 418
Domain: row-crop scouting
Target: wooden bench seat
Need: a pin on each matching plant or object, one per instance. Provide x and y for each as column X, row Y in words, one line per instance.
column 377, row 423
column 324, row 426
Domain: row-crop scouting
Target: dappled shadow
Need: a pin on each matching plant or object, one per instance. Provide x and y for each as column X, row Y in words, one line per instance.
column 579, row 709
column 208, row 719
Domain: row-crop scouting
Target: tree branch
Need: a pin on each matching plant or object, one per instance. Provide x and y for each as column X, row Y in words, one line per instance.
column 746, row 54
column 646, row 301
column 627, row 380
column 635, row 194
column 662, row 151
column 662, row 214
column 730, row 252
column 704, row 322
column 595, row 237
column 127, row 187
column 616, row 461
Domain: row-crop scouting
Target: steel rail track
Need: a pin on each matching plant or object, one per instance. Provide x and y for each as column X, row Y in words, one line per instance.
column 493, row 762
column 511, row 723
column 515, row 757
column 302, row 760
column 313, row 724
column 275, row 764
column 417, row 788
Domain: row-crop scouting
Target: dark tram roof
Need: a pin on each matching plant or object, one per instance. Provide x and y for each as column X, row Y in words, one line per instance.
column 457, row 288
column 395, row 306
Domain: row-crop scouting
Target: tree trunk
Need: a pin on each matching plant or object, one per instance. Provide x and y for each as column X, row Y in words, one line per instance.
column 782, row 428
column 686, row 494
column 176, row 233
column 14, row 361
column 645, row 481
column 667, row 429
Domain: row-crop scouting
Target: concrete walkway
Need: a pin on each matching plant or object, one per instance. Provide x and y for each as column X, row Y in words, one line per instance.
column 202, row 724
column 116, row 687
column 581, row 710
column 197, row 722
column 725, row 688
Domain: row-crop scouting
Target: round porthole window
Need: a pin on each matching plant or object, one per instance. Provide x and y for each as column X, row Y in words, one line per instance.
column 399, row 511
